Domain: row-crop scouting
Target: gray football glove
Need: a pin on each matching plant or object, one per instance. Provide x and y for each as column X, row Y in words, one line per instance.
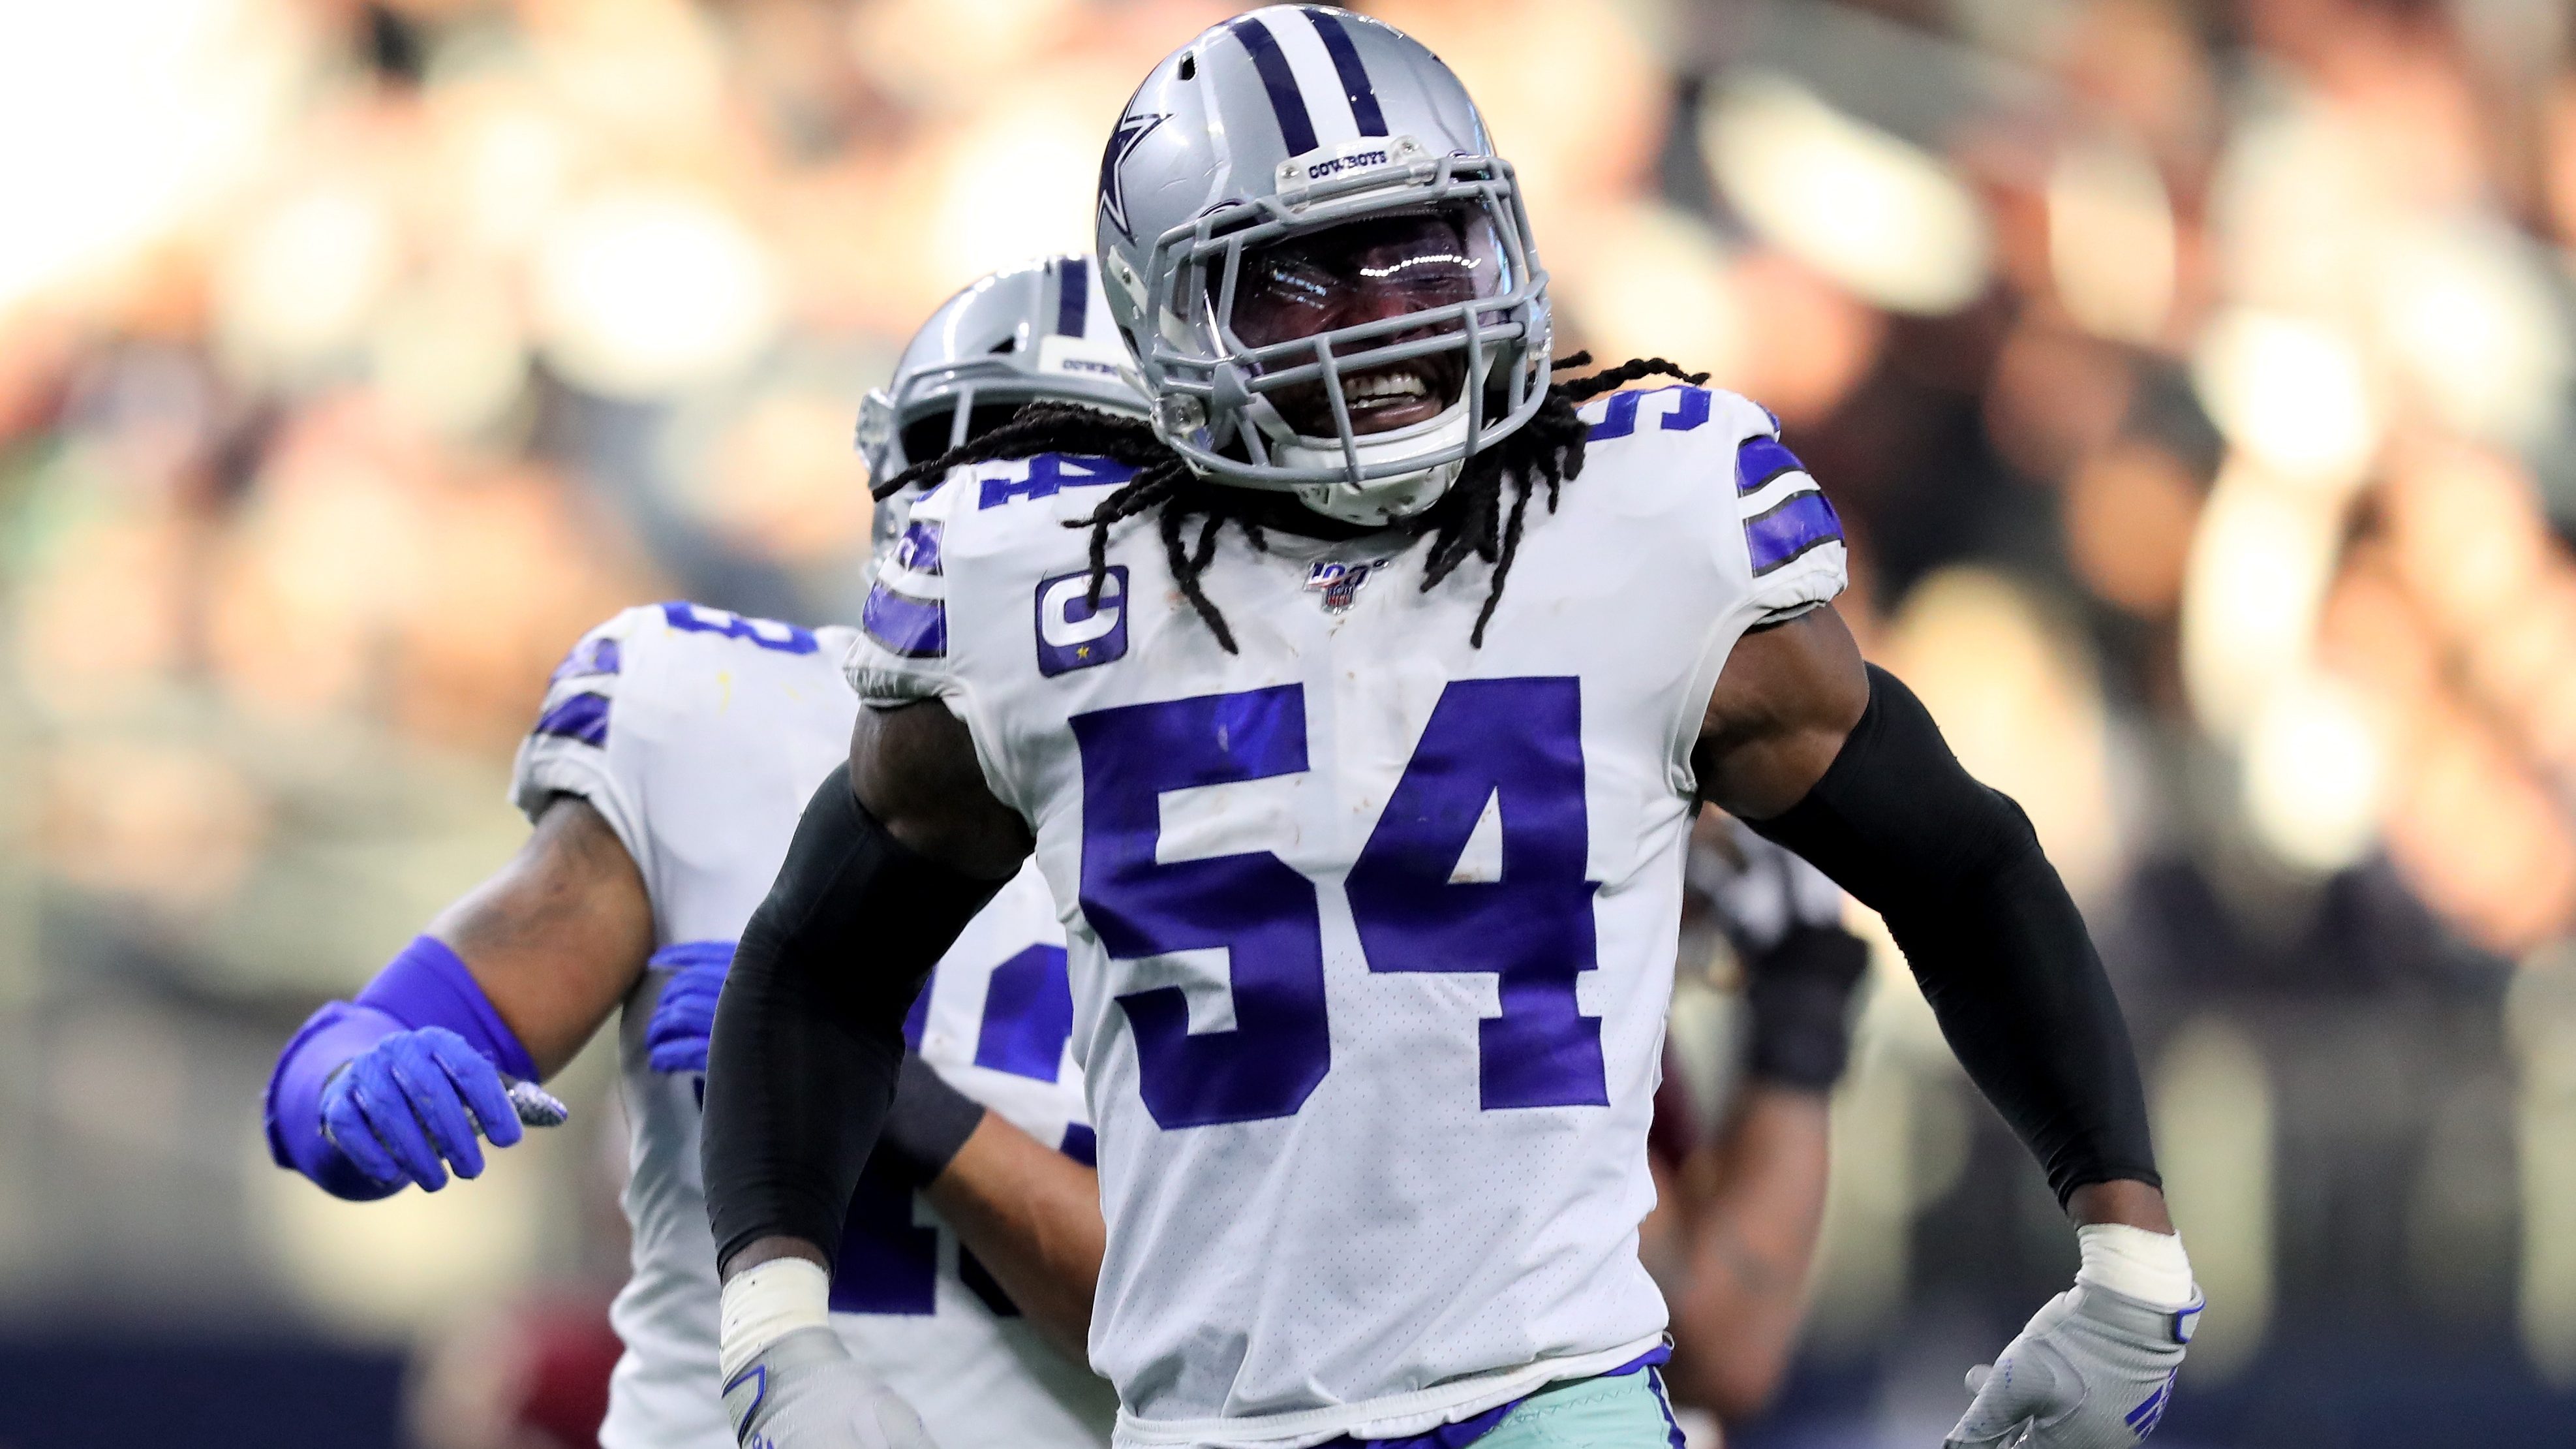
column 806, row 1392
column 2093, row 1370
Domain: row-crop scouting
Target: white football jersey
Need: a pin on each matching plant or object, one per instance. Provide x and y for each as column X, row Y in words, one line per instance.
column 699, row 735
column 1372, row 930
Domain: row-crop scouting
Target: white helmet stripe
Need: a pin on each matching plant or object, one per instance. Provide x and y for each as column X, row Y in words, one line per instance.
column 1279, row 80
column 1357, row 88
column 1328, row 104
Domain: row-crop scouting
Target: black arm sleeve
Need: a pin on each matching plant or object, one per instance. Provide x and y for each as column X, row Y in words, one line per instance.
column 1989, row 931
column 809, row 1031
column 927, row 1126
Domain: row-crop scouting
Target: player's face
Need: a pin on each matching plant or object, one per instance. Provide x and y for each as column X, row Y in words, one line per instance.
column 1363, row 271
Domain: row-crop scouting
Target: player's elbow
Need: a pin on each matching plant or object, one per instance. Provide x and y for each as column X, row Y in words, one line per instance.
column 1992, row 853
column 1065, row 1323
column 1896, row 819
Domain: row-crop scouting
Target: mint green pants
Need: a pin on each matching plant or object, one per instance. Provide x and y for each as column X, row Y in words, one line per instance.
column 1626, row 1412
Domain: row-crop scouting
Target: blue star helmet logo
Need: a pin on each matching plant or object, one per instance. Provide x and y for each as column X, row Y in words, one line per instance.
column 1132, row 130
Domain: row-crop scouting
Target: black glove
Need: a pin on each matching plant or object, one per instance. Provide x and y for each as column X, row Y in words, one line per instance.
column 1799, row 993
column 1800, row 965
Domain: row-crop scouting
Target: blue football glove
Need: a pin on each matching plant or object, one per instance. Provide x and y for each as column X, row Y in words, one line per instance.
column 675, row 1040
column 414, row 1098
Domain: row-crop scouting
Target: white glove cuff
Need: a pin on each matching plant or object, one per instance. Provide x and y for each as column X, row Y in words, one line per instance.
column 767, row 1302
column 2148, row 1266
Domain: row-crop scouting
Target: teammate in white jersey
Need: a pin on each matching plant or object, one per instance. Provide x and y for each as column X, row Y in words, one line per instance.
column 1371, row 864
column 674, row 748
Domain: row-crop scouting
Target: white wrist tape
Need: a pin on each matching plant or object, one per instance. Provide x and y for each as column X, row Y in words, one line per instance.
column 2148, row 1266
column 764, row 1304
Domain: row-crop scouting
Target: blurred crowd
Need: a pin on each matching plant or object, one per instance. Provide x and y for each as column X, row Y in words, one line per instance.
column 2197, row 380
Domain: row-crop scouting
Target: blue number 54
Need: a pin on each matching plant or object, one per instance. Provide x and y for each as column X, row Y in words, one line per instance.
column 1511, row 748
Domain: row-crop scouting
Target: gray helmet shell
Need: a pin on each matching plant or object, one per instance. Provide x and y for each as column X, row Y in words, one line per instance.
column 1285, row 121
column 1040, row 330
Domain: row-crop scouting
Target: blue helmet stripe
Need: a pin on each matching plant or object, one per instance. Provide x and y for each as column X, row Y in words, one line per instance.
column 1296, row 128
column 1355, row 81
column 1072, row 296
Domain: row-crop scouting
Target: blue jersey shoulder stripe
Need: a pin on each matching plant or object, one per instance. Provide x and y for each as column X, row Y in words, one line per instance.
column 589, row 657
column 582, row 718
column 1760, row 460
column 918, row 549
column 1802, row 522
column 913, row 628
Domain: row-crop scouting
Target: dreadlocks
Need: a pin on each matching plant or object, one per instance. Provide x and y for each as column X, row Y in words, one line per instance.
column 1469, row 519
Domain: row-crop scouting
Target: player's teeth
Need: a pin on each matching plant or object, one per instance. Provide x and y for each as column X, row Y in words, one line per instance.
column 1396, row 384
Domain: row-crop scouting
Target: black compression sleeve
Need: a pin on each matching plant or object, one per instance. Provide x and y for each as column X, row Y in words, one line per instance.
column 1989, row 931
column 809, row 1031
column 927, row 1125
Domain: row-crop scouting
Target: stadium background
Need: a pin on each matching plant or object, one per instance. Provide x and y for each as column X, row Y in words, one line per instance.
column 2196, row 378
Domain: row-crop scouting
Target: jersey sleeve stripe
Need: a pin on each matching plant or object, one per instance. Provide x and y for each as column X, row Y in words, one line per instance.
column 1771, row 495
column 1759, row 460
column 1803, row 522
column 590, row 658
column 581, row 717
column 918, row 552
column 911, row 627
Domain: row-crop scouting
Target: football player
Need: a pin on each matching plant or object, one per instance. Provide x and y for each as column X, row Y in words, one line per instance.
column 1356, row 705
column 663, row 778
column 1740, row 1171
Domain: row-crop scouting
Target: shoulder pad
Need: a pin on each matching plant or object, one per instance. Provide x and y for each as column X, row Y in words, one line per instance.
column 1792, row 538
column 566, row 750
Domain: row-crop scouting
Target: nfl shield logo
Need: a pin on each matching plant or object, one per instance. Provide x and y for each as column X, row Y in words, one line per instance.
column 1339, row 583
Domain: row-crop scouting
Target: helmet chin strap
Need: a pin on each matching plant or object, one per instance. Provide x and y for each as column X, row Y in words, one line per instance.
column 1388, row 500
column 1394, row 497
column 1379, row 500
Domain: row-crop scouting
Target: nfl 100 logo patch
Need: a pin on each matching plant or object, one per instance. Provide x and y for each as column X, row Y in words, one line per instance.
column 1339, row 583
column 1074, row 632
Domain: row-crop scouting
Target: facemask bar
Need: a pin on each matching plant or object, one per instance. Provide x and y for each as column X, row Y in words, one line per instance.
column 883, row 416
column 1219, row 393
column 1331, row 363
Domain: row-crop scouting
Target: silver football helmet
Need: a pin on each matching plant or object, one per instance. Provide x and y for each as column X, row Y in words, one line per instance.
column 1040, row 330
column 1324, row 272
